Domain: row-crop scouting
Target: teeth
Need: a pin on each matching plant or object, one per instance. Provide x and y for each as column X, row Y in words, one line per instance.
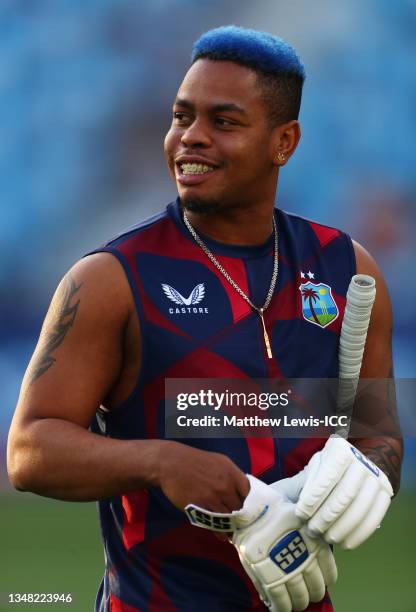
column 195, row 168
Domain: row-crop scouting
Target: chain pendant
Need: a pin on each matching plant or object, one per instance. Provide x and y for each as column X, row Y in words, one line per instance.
column 266, row 336
column 219, row 267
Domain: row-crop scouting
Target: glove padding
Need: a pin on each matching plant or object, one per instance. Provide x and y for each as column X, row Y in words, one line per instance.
column 288, row 568
column 344, row 496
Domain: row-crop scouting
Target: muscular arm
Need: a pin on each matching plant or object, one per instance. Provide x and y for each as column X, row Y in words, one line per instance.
column 79, row 363
column 386, row 451
column 76, row 363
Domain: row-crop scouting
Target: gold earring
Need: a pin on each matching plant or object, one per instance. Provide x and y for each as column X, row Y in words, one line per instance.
column 281, row 157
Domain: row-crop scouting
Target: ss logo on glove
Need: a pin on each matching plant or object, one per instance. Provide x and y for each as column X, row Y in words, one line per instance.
column 290, row 552
column 209, row 520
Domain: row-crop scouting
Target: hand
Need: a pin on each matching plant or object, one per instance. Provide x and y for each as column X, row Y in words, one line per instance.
column 291, row 487
column 288, row 568
column 345, row 495
column 190, row 475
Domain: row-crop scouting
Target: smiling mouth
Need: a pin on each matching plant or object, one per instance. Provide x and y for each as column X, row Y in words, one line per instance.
column 189, row 173
column 193, row 168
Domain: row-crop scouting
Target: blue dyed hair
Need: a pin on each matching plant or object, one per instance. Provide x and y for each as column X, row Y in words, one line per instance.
column 279, row 70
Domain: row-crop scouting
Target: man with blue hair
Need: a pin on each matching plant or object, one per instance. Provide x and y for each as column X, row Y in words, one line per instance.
column 213, row 287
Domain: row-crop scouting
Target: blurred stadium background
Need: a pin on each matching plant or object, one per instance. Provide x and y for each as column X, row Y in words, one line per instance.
column 85, row 94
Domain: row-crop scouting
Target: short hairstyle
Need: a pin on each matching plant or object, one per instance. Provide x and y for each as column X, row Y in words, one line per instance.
column 279, row 70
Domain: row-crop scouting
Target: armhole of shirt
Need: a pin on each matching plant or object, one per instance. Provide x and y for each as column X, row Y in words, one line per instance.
column 142, row 323
column 351, row 255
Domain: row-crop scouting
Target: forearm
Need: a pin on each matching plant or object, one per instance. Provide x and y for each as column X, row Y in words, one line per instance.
column 386, row 453
column 59, row 459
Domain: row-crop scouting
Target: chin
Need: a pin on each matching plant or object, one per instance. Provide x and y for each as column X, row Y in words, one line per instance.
column 205, row 206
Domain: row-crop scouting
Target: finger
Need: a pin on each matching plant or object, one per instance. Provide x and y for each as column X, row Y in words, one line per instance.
column 339, row 500
column 231, row 502
column 298, row 592
column 369, row 524
column 328, row 566
column 219, row 506
column 234, row 497
column 325, row 469
column 279, row 598
column 242, row 489
column 314, row 581
column 361, row 507
column 291, row 487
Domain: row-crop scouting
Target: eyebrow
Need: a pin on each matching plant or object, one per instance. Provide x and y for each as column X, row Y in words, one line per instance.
column 216, row 108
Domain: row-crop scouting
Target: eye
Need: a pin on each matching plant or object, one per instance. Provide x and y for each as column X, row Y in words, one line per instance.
column 180, row 117
column 223, row 122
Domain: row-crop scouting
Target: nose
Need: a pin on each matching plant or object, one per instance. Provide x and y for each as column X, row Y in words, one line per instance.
column 196, row 135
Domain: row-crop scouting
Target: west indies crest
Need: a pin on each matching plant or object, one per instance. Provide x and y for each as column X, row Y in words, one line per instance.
column 318, row 304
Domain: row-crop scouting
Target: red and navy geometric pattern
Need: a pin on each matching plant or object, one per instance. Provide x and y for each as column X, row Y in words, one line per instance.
column 155, row 560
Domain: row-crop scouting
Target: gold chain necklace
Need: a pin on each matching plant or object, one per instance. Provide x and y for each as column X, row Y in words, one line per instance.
column 259, row 310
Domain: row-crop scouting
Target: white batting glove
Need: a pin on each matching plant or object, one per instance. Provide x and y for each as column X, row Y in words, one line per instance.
column 345, row 495
column 291, row 487
column 288, row 568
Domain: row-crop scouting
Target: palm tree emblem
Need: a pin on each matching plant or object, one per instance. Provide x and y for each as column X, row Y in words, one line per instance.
column 318, row 304
column 311, row 295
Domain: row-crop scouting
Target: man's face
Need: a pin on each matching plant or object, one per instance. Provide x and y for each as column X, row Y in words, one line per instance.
column 219, row 148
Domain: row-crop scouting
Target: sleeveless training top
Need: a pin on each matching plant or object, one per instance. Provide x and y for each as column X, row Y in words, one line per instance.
column 155, row 560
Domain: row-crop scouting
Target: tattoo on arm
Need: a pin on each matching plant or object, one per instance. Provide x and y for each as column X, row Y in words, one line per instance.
column 385, row 449
column 65, row 320
column 386, row 453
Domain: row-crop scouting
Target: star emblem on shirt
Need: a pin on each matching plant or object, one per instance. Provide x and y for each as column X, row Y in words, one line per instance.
column 308, row 274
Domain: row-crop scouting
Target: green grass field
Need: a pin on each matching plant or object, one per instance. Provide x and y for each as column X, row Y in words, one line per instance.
column 54, row 547
column 323, row 318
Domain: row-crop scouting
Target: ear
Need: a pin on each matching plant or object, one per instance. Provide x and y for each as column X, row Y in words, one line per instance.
column 285, row 140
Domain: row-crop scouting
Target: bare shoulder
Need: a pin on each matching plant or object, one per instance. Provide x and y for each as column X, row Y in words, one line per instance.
column 92, row 300
column 81, row 349
column 366, row 264
column 103, row 279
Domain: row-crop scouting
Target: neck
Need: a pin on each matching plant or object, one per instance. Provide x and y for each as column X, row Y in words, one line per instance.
column 242, row 227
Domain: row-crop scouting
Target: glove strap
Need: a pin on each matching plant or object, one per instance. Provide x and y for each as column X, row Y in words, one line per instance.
column 256, row 504
column 214, row 521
